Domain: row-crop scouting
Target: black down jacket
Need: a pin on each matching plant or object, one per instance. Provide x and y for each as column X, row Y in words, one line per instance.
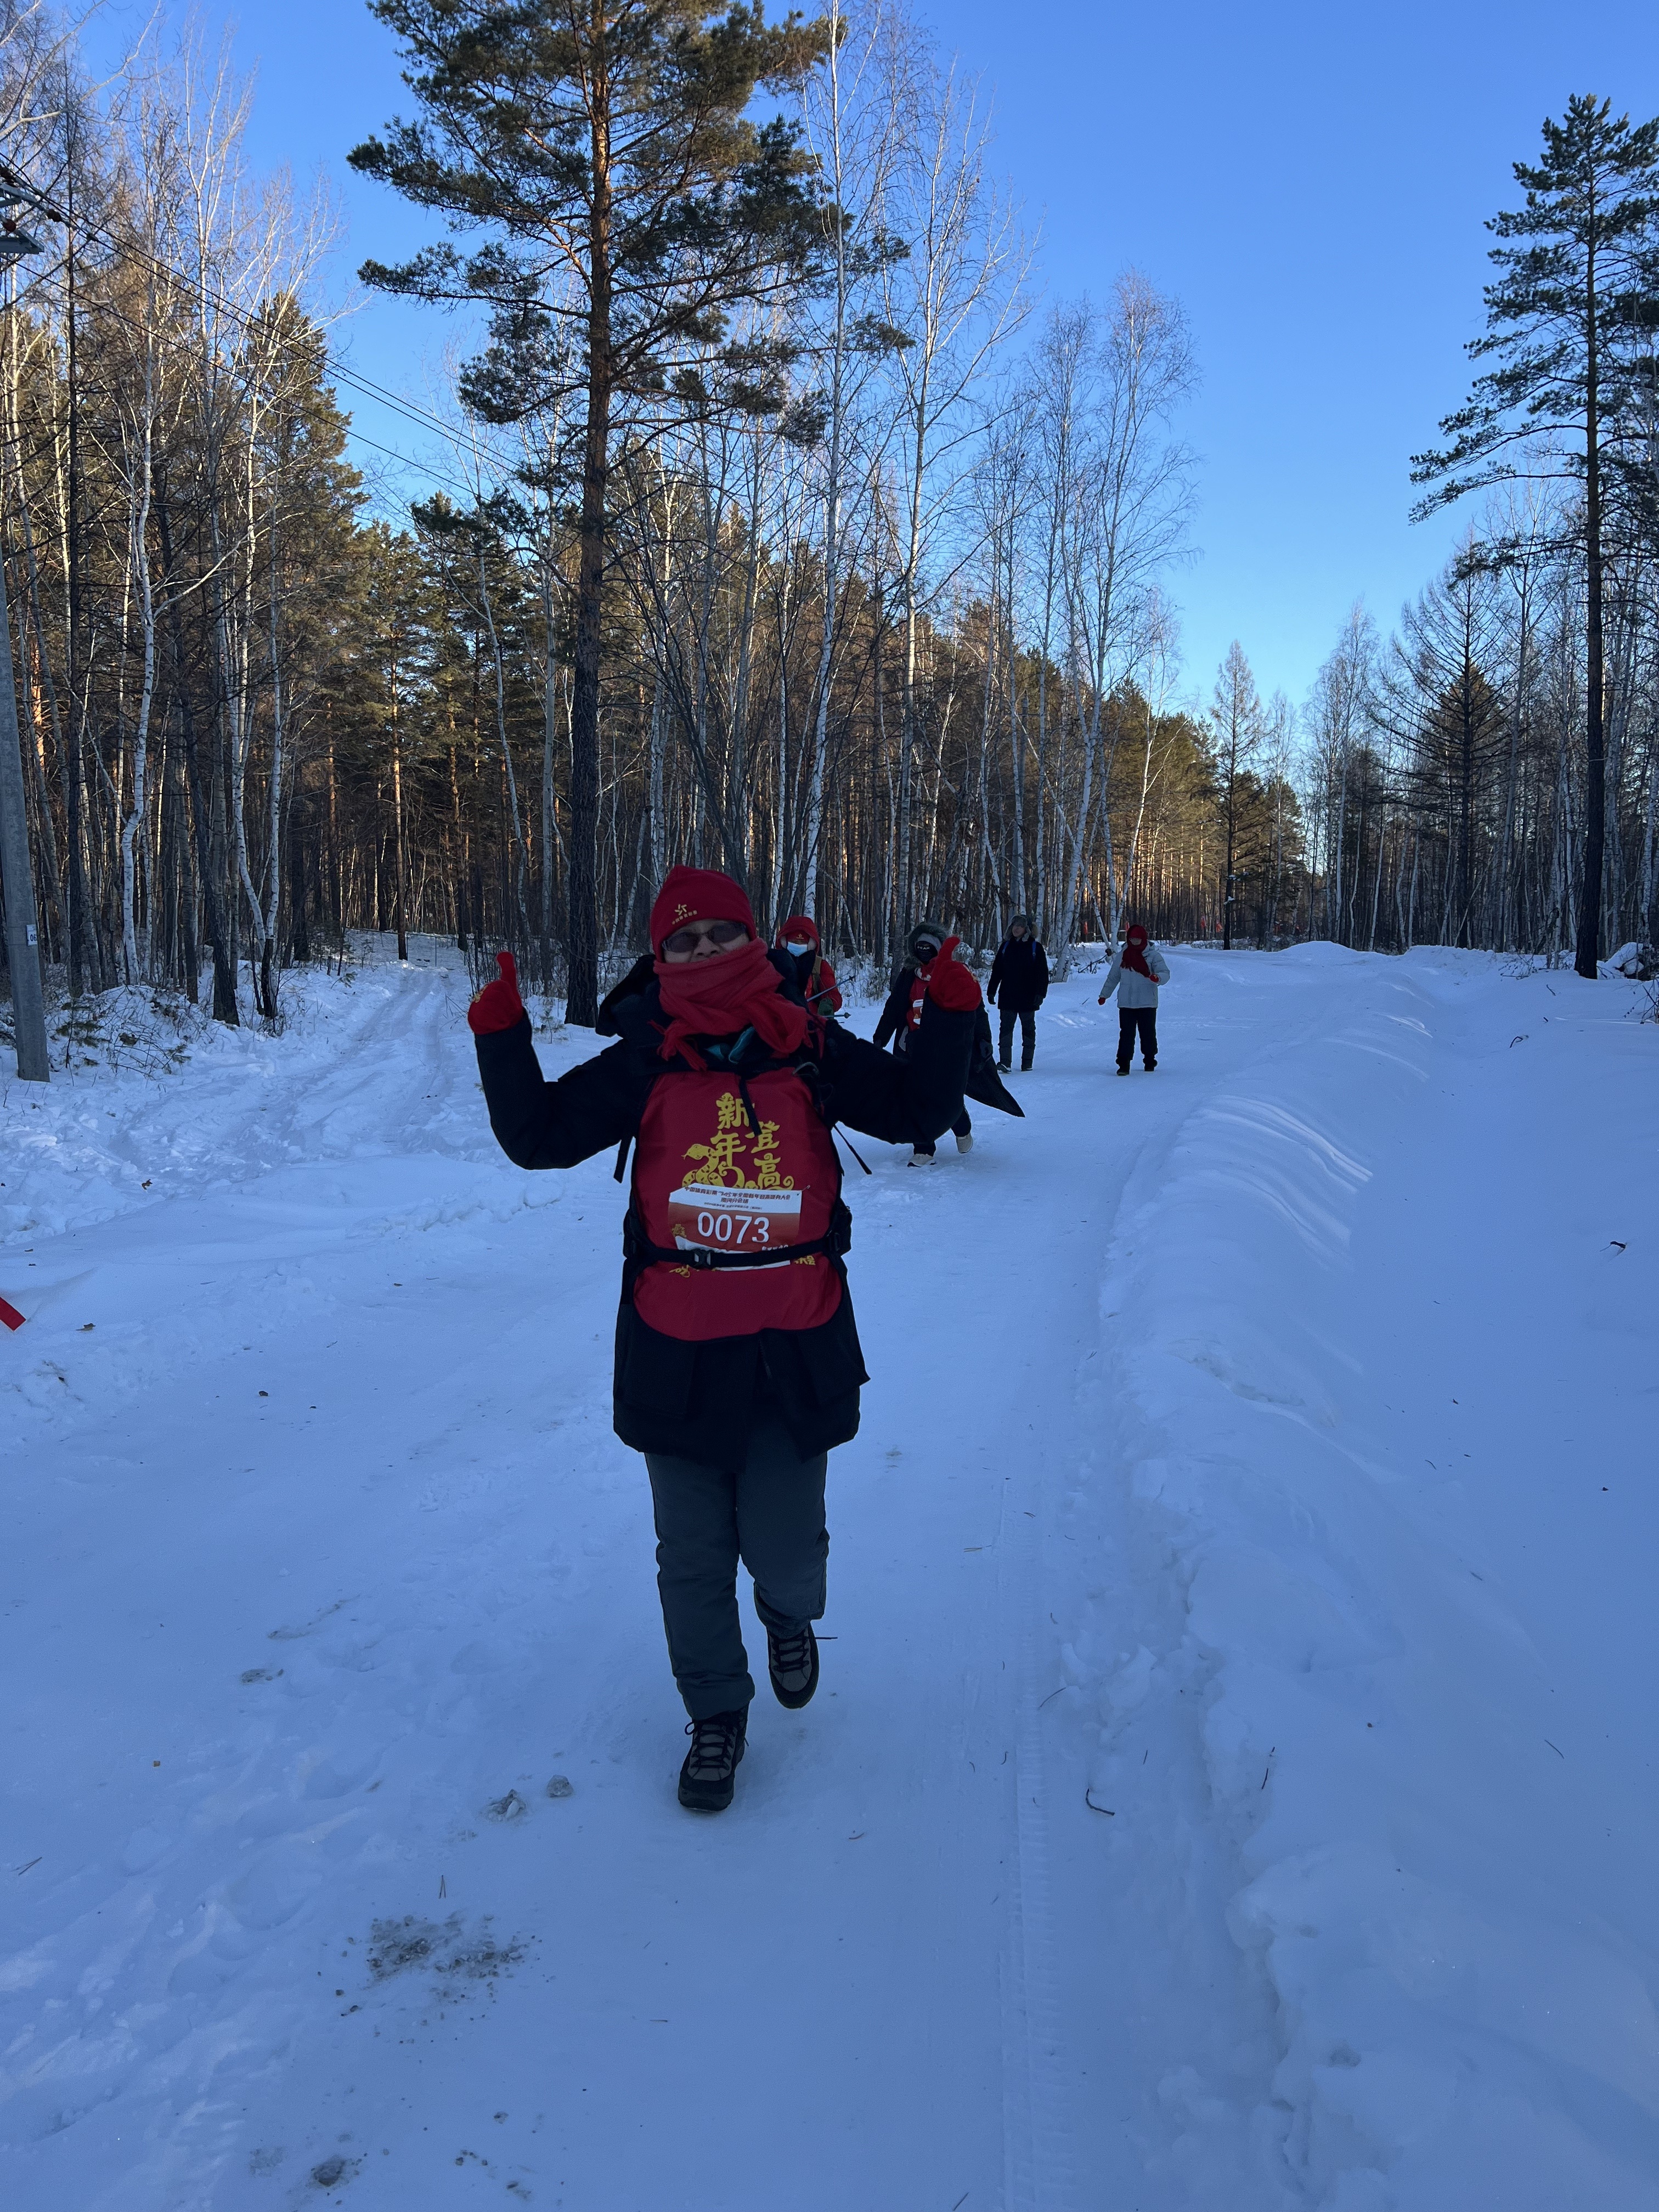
column 1019, row 974
column 981, row 1084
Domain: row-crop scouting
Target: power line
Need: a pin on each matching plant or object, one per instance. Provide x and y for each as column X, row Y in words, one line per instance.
column 381, row 395
column 418, row 417
column 360, row 437
column 408, row 460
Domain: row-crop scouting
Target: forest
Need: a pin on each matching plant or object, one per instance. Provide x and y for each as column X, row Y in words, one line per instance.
column 788, row 524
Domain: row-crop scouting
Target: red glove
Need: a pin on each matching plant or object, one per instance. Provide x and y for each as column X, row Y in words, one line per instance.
column 950, row 984
column 498, row 1006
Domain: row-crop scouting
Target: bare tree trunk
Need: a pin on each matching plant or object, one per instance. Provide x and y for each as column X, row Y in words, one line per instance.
column 1588, row 949
column 210, row 877
column 139, row 540
column 581, row 883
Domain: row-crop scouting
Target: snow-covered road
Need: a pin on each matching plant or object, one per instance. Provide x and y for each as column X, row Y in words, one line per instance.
column 1232, row 1783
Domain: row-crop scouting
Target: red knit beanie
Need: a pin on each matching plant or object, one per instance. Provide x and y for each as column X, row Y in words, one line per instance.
column 1136, row 933
column 697, row 895
column 802, row 925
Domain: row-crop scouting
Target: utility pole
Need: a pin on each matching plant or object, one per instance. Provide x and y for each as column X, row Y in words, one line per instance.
column 28, row 1004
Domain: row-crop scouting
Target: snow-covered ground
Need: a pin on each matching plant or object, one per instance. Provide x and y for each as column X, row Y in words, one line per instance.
column 1232, row 1785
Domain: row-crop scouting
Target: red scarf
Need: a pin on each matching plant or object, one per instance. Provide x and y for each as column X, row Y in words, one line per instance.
column 721, row 996
column 1134, row 957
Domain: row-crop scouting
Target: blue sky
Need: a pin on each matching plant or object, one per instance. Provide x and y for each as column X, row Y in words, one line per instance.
column 1309, row 181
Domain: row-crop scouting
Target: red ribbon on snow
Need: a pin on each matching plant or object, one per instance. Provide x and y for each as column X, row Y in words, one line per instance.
column 10, row 1316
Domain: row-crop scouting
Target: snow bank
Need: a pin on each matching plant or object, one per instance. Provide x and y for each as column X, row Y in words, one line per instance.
column 150, row 1098
column 1637, row 961
column 1386, row 1444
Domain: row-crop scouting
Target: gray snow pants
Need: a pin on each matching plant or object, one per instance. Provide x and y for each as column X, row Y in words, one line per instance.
column 771, row 1517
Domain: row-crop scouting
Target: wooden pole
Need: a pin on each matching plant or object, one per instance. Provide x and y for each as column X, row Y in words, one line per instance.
column 22, row 918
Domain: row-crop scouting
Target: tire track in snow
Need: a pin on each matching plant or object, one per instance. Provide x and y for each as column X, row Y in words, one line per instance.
column 1039, row 2174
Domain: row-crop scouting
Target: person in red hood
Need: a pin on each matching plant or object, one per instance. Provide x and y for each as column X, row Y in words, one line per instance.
column 799, row 936
column 929, row 944
column 738, row 1364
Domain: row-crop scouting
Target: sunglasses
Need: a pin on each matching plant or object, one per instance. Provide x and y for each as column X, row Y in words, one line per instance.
column 720, row 932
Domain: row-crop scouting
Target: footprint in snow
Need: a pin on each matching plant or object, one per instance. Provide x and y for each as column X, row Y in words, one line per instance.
column 144, row 1847
column 331, row 2173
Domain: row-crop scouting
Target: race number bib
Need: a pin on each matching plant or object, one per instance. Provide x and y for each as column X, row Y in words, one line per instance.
column 742, row 1220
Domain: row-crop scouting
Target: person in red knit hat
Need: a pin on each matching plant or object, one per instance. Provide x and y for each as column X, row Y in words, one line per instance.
column 799, row 939
column 737, row 1362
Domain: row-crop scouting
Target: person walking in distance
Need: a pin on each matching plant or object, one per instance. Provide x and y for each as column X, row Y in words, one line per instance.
column 1135, row 974
column 1020, row 978
column 738, row 1364
column 799, row 939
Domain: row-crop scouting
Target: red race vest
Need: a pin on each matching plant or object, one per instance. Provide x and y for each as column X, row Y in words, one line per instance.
column 706, row 1176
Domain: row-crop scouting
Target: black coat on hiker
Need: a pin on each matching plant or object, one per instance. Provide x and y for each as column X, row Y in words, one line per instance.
column 696, row 1399
column 982, row 1083
column 1019, row 976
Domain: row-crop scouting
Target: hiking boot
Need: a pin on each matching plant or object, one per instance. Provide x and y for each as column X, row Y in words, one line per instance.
column 1149, row 1065
column 920, row 1159
column 706, row 1779
column 792, row 1660
column 965, row 1143
column 1005, row 1067
column 1123, row 1071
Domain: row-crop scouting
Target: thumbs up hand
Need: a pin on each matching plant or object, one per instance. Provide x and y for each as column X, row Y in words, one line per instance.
column 498, row 1006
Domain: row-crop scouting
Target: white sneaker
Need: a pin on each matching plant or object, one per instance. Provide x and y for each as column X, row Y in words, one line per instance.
column 919, row 1159
column 965, row 1144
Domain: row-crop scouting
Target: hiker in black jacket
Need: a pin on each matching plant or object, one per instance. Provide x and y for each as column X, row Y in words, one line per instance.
column 738, row 1364
column 1019, row 977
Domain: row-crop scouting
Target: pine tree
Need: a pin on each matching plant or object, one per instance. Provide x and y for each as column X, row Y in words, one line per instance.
column 1563, row 325
column 628, row 208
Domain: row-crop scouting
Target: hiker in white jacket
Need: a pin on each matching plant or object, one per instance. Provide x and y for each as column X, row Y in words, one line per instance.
column 1135, row 974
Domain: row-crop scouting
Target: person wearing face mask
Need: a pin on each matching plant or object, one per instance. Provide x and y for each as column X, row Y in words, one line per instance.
column 799, row 939
column 1019, row 975
column 1135, row 974
column 737, row 1362
column 908, row 990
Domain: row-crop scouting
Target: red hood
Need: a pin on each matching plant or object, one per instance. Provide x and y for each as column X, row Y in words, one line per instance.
column 799, row 925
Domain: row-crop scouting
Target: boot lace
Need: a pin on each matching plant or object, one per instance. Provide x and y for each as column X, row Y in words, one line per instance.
column 791, row 1654
column 714, row 1745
